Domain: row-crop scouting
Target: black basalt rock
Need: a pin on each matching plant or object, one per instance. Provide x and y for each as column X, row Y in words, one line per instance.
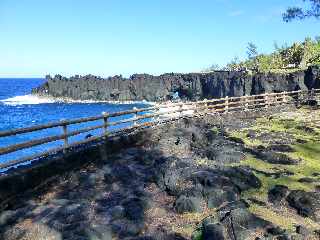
column 307, row 204
column 192, row 86
column 187, row 204
column 277, row 193
column 213, row 231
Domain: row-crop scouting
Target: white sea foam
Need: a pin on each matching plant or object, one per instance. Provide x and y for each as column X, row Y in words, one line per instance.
column 26, row 99
column 38, row 99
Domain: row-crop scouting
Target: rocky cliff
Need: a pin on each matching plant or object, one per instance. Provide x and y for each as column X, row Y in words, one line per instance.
column 192, row 86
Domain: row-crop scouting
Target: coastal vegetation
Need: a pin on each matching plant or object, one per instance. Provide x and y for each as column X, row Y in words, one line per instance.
column 312, row 10
column 283, row 59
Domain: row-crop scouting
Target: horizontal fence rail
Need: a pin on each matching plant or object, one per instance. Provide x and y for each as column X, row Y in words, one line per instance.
column 152, row 116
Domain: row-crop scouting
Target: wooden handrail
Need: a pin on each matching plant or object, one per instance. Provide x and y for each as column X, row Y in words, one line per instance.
column 47, row 126
column 29, row 144
column 57, row 149
column 223, row 105
column 95, row 118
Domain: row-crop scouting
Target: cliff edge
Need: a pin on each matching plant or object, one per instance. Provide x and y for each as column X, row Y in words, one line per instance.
column 191, row 86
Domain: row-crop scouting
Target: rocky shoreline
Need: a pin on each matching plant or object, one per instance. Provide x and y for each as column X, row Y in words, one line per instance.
column 192, row 86
column 238, row 176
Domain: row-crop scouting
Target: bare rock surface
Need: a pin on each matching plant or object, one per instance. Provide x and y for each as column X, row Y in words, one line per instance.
column 184, row 174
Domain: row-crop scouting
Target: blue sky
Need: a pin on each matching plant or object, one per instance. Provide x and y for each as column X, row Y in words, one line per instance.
column 108, row 37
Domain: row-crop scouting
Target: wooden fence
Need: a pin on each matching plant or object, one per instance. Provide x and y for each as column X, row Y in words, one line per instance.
column 143, row 118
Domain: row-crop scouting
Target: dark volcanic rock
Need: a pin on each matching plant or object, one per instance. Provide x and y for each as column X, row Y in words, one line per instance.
column 228, row 178
column 234, row 221
column 232, row 206
column 244, row 222
column 190, row 86
column 222, row 152
column 277, row 193
column 217, row 197
column 302, row 230
column 258, row 202
column 187, row 204
column 275, row 230
column 7, row 217
column 134, row 208
column 312, row 77
column 307, row 204
column 273, row 157
column 281, row 148
column 215, row 147
column 99, row 233
column 306, row 129
column 307, row 180
column 134, row 192
column 310, row 102
column 213, row 231
column 242, row 178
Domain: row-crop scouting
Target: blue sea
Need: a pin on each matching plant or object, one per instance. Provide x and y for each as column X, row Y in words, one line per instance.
column 18, row 108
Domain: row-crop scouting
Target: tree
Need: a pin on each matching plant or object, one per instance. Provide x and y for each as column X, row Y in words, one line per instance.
column 234, row 65
column 284, row 58
column 252, row 51
column 300, row 13
column 214, row 67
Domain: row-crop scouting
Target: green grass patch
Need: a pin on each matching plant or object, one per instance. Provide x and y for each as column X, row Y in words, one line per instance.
column 278, row 219
column 275, row 124
column 215, row 130
column 282, row 217
column 310, row 163
column 309, row 154
column 290, row 126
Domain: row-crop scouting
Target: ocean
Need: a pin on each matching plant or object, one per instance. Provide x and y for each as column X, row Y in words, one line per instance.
column 18, row 108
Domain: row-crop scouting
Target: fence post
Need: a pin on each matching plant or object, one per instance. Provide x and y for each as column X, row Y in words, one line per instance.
column 206, row 110
column 180, row 111
column 246, row 104
column 65, row 132
column 158, row 117
column 297, row 97
column 195, row 109
column 266, row 100
column 226, row 108
column 284, row 98
column 316, row 94
column 105, row 123
column 134, row 116
column 312, row 94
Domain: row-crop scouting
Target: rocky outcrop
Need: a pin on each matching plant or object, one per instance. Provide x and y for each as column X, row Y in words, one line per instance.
column 234, row 221
column 307, row 204
column 126, row 192
column 157, row 184
column 192, row 86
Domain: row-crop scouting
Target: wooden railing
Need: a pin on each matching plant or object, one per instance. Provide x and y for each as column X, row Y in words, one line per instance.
column 151, row 116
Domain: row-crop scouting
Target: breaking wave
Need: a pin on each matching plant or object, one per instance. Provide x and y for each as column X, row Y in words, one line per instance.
column 26, row 100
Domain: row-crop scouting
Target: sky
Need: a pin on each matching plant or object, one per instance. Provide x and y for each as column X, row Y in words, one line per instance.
column 112, row 37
